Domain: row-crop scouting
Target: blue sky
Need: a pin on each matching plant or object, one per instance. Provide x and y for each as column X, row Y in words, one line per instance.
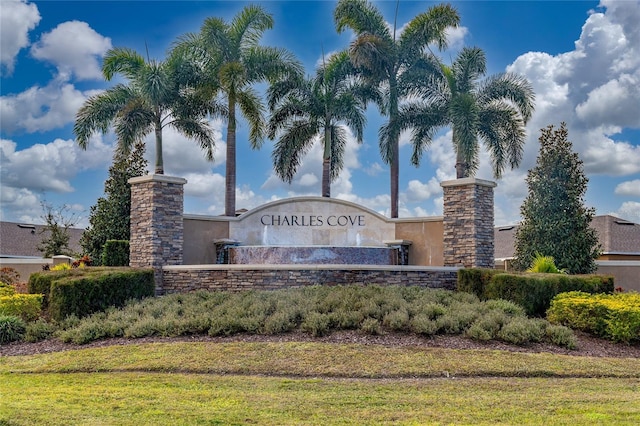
column 582, row 58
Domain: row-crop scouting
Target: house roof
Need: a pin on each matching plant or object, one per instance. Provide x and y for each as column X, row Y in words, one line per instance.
column 23, row 239
column 617, row 236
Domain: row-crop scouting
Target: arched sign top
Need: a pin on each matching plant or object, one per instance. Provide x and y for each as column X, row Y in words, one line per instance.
column 322, row 200
column 312, row 221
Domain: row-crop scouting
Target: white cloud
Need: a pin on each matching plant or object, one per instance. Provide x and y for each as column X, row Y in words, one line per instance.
column 74, row 48
column 629, row 210
column 594, row 89
column 51, row 166
column 456, row 36
column 418, row 191
column 630, row 188
column 40, row 109
column 19, row 204
column 16, row 20
column 374, row 169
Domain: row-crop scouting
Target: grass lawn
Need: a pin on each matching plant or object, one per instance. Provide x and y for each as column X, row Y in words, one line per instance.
column 314, row 383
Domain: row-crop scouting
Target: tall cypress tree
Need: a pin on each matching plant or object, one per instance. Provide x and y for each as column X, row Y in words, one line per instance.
column 110, row 216
column 555, row 219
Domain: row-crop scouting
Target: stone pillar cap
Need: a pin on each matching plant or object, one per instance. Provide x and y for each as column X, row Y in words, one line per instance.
column 468, row 181
column 158, row 178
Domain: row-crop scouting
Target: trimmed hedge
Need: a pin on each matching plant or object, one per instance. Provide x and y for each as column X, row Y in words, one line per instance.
column 475, row 280
column 81, row 292
column 532, row 291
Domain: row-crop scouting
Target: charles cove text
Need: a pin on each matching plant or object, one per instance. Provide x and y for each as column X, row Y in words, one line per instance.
column 312, row 220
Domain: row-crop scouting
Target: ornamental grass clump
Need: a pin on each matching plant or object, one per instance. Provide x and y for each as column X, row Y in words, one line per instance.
column 12, row 328
column 544, row 265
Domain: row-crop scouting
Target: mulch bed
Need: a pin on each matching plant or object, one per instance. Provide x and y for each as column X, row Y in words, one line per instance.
column 587, row 344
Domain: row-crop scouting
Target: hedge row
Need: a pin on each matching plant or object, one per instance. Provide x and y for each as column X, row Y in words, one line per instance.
column 81, row 292
column 532, row 291
column 612, row 316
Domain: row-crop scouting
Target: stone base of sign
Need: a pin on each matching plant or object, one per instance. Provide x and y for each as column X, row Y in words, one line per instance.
column 187, row 278
column 468, row 223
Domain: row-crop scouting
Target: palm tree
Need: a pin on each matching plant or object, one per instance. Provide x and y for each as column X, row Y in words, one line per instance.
column 154, row 99
column 495, row 110
column 389, row 62
column 304, row 109
column 233, row 61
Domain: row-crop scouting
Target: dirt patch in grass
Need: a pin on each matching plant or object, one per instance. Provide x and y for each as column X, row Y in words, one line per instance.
column 587, row 344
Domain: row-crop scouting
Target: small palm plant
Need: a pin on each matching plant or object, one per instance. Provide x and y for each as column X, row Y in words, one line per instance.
column 545, row 265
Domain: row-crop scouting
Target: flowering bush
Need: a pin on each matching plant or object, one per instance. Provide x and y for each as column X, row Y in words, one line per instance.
column 25, row 306
column 613, row 316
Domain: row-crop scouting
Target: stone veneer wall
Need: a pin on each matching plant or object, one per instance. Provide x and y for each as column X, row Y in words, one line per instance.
column 180, row 279
column 156, row 223
column 468, row 223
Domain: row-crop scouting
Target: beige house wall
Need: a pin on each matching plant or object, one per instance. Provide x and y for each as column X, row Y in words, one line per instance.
column 427, row 237
column 626, row 273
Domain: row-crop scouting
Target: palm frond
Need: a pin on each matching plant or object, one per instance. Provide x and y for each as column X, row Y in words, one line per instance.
column 200, row 131
column 362, row 17
column 250, row 105
column 510, row 87
column 470, row 64
column 124, row 61
column 338, row 146
column 247, row 27
column 271, row 64
column 99, row 111
column 134, row 121
column 428, row 28
column 292, row 146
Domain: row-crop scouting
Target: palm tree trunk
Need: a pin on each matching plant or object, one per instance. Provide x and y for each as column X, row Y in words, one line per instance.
column 395, row 140
column 461, row 164
column 159, row 169
column 326, row 162
column 230, row 182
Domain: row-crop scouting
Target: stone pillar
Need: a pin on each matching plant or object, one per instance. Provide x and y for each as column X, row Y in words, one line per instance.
column 156, row 223
column 468, row 223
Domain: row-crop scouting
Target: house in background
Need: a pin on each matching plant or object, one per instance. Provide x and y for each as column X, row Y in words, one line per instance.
column 620, row 241
column 19, row 246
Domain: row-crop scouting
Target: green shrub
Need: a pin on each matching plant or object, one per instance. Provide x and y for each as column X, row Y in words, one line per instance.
column 560, row 335
column 12, row 328
column 422, row 324
column 317, row 324
column 397, row 320
column 115, row 253
column 371, row 326
column 487, row 326
column 520, row 331
column 25, row 306
column 38, row 330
